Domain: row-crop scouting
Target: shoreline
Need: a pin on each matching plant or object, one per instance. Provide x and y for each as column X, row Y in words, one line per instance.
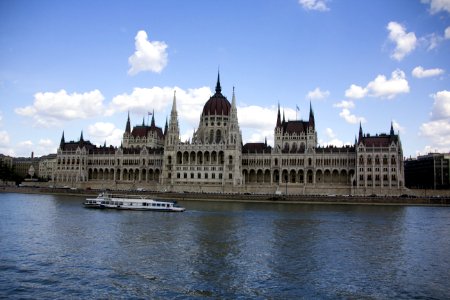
column 246, row 198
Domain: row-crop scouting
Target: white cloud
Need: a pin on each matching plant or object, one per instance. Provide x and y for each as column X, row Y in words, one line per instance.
column 190, row 102
column 404, row 42
column 50, row 109
column 355, row 92
column 332, row 139
column 4, row 138
column 349, row 118
column 441, row 105
column 317, row 94
column 149, row 56
column 439, row 134
column 398, row 127
column 101, row 132
column 420, row 72
column 432, row 40
column 381, row 87
column 388, row 88
column 345, row 104
column 447, row 33
column 319, row 5
column 438, row 5
column 438, row 129
column 258, row 123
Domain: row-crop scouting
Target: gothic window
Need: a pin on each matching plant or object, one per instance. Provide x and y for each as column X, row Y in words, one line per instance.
column 211, row 136
column 218, row 136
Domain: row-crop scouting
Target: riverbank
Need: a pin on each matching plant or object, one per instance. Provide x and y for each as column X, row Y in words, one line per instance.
column 263, row 198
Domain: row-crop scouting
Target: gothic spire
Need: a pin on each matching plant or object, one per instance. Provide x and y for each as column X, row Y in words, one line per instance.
column 153, row 119
column 392, row 128
column 312, row 121
column 284, row 119
column 128, row 127
column 174, row 104
column 166, row 127
column 278, row 117
column 63, row 141
column 360, row 136
column 233, row 100
column 81, row 137
column 218, row 87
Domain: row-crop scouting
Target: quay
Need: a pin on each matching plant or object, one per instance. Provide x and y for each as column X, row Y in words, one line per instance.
column 248, row 197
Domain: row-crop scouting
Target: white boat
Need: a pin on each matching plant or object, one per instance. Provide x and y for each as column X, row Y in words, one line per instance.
column 105, row 200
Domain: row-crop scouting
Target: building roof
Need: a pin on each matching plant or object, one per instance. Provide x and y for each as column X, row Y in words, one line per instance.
column 142, row 131
column 295, row 127
column 256, row 148
column 382, row 140
column 217, row 104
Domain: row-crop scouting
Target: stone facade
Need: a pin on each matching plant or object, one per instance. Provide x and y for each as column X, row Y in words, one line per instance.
column 215, row 159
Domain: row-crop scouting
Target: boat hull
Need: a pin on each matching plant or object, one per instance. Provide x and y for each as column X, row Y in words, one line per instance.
column 143, row 204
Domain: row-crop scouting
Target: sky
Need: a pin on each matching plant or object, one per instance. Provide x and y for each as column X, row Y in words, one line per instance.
column 82, row 66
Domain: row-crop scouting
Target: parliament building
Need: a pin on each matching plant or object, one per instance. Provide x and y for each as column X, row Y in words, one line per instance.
column 215, row 160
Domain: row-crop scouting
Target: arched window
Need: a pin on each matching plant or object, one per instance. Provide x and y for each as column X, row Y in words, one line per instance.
column 218, row 136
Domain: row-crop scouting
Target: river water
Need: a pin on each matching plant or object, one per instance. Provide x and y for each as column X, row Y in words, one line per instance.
column 51, row 247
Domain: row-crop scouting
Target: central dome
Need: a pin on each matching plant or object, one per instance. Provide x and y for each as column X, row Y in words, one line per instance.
column 217, row 104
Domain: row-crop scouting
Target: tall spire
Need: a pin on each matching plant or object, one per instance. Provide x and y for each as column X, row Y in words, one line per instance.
column 218, row 87
column 128, row 127
column 166, row 127
column 360, row 136
column 81, row 136
column 143, row 121
column 392, row 128
column 312, row 121
column 233, row 100
column 284, row 119
column 174, row 104
column 153, row 119
column 63, row 141
column 278, row 116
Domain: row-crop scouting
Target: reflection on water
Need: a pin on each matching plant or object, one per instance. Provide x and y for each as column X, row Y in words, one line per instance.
column 51, row 247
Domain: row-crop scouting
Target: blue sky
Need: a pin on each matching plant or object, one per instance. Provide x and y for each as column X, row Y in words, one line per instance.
column 82, row 65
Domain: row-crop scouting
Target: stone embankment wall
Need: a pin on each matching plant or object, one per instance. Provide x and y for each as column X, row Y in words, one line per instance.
column 247, row 197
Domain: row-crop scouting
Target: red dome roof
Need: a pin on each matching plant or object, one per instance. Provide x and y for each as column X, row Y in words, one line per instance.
column 217, row 104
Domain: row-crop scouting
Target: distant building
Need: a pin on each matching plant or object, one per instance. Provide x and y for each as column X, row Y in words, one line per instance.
column 216, row 160
column 47, row 166
column 6, row 160
column 22, row 166
column 428, row 172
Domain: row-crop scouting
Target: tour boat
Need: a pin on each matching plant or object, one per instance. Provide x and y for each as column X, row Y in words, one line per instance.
column 105, row 200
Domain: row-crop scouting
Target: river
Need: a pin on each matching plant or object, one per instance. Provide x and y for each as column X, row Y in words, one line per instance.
column 51, row 247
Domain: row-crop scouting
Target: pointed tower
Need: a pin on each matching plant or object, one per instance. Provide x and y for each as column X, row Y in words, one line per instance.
column 360, row 135
column 278, row 117
column 81, row 137
column 166, row 127
column 173, row 130
column 284, row 119
column 153, row 120
column 63, row 142
column 128, row 126
column 312, row 121
column 218, row 87
column 234, row 135
column 392, row 129
column 127, row 134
